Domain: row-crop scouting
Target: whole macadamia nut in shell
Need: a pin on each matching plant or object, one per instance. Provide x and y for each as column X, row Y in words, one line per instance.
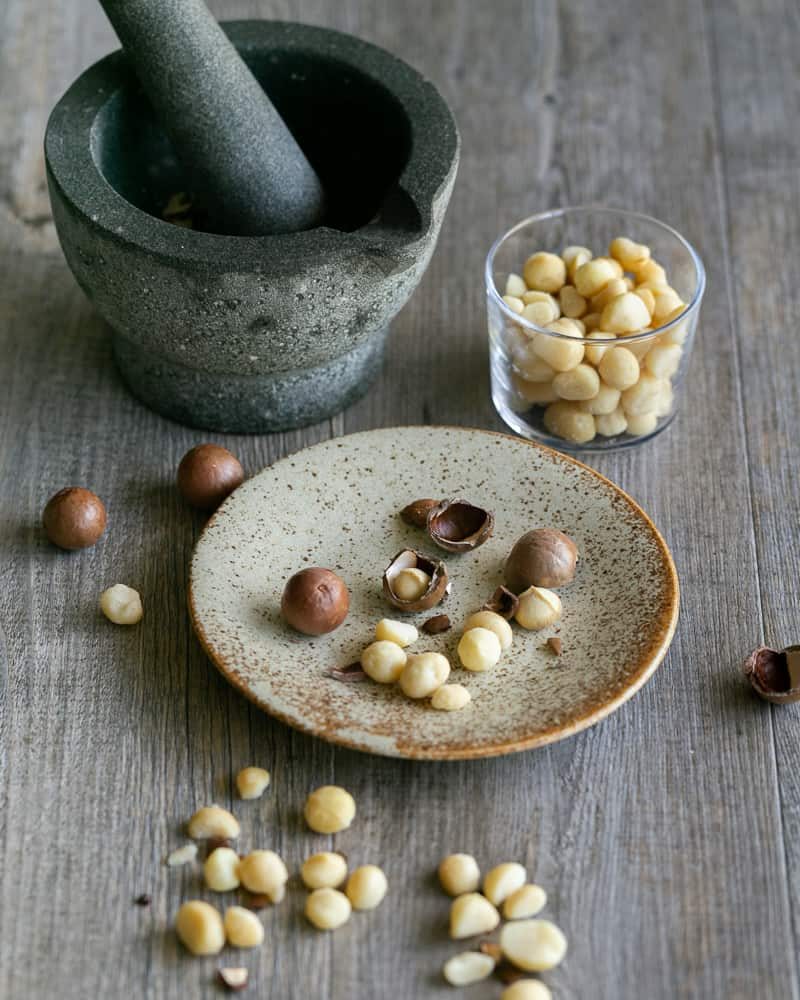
column 543, row 557
column 74, row 518
column 207, row 475
column 315, row 601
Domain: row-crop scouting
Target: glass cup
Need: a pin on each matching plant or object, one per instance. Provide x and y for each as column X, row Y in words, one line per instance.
column 553, row 385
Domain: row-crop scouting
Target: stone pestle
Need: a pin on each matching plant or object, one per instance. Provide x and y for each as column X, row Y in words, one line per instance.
column 241, row 160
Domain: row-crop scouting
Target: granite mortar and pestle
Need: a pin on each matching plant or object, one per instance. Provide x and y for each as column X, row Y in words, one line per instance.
column 319, row 168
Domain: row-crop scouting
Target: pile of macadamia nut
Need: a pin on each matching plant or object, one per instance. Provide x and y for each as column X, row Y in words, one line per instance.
column 540, row 559
column 334, row 891
column 526, row 943
column 593, row 378
column 316, row 601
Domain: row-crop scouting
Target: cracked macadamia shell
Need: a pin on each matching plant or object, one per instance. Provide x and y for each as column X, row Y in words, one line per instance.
column 775, row 674
column 409, row 559
column 459, row 526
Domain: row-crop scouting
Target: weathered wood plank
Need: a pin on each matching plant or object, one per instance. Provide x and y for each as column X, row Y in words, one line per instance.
column 758, row 63
column 658, row 834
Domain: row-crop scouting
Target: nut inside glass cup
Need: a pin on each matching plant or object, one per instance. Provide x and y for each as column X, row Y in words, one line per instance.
column 591, row 389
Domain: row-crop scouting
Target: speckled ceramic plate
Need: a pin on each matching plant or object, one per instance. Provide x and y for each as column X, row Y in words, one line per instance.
column 336, row 505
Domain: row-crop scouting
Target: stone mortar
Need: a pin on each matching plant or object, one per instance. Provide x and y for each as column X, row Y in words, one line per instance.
column 267, row 333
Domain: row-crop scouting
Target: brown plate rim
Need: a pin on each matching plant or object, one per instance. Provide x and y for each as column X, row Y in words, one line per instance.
column 408, row 751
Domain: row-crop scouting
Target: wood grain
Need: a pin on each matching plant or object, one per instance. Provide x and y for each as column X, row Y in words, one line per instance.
column 667, row 836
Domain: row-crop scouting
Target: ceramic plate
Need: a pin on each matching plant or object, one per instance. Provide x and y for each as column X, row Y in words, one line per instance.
column 336, row 505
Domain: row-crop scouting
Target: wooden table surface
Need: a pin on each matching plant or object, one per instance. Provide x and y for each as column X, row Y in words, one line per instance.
column 667, row 836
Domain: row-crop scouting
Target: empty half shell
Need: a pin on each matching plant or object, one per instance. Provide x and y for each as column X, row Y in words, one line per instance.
column 459, row 526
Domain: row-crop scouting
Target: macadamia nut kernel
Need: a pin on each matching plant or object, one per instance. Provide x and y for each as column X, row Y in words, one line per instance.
column 524, row 902
column 538, row 608
column 663, row 360
column 366, row 887
column 472, row 914
column 545, row 272
column 526, row 989
column 495, row 623
column 667, row 302
column 479, row 650
column 400, row 633
column 644, row 396
column 502, row 880
column 538, row 393
column 122, row 605
column 619, row 368
column 515, row 285
column 221, row 870
column 565, row 419
column 326, row 870
column 625, row 314
column 328, row 909
column 468, row 967
column 243, row 929
column 581, row 382
column 329, row 809
column 594, row 353
column 605, row 401
column 572, row 303
column 528, row 363
column 575, row 257
column 561, row 353
column 182, row 856
column 383, row 661
column 450, row 698
column 410, row 584
column 594, row 275
column 213, row 821
column 252, row 782
column 615, row 287
column 540, row 313
column 533, row 945
column 644, row 423
column 611, row 424
column 263, row 872
column 423, row 674
column 459, row 874
column 199, row 928
column 628, row 253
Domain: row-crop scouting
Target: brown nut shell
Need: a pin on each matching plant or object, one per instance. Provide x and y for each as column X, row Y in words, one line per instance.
column 503, row 602
column 459, row 526
column 207, row 475
column 770, row 673
column 437, row 625
column 416, row 513
column 543, row 557
column 315, row 601
column 74, row 518
column 411, row 559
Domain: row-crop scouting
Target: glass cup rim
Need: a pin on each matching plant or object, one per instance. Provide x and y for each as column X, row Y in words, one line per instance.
column 555, row 213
